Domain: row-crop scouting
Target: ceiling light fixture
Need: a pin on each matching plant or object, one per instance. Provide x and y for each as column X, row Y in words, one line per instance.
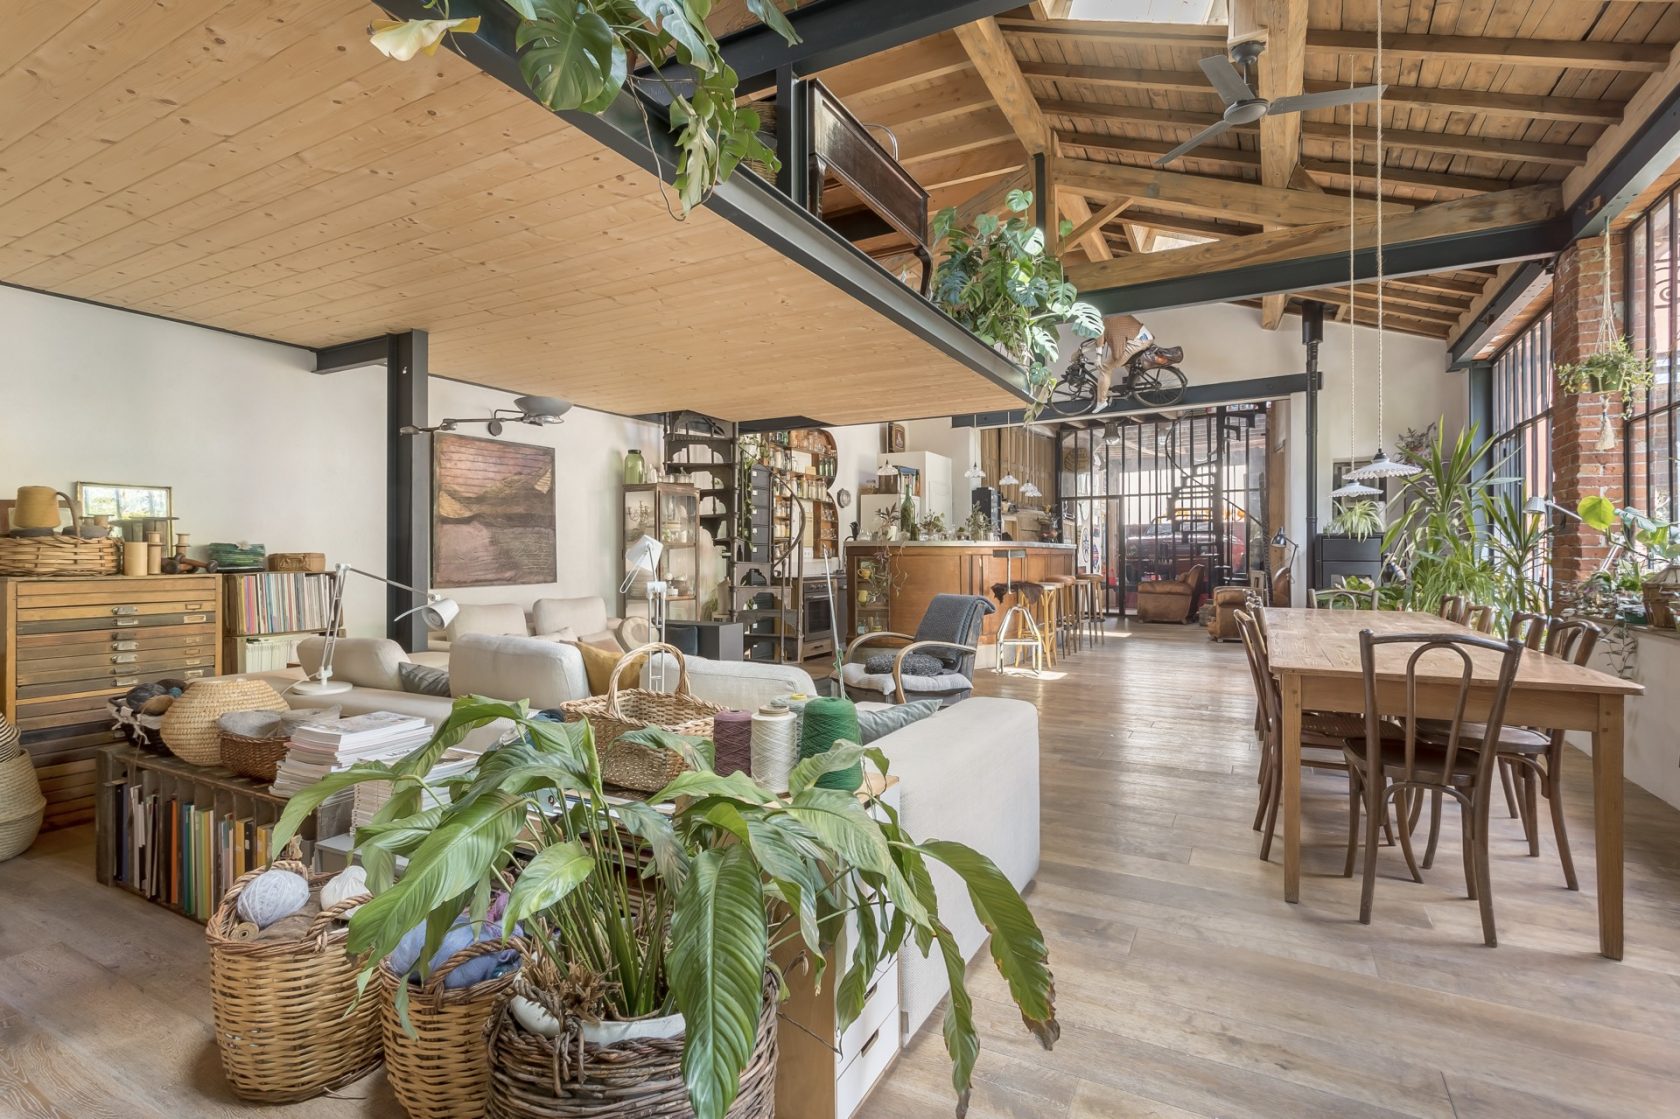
column 538, row 411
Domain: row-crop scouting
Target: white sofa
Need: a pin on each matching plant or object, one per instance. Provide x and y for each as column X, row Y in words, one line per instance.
column 968, row 774
column 583, row 618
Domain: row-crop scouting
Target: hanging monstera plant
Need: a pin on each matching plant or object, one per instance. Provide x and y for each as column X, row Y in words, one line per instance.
column 580, row 54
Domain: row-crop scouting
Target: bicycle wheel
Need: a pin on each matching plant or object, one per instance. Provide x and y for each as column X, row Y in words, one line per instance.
column 1071, row 395
column 1159, row 388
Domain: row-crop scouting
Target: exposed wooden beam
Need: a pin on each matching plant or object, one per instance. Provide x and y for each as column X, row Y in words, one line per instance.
column 1050, row 9
column 1256, row 260
column 942, row 138
column 1121, row 77
column 1584, row 54
column 911, row 64
column 1132, row 145
column 944, row 99
column 1096, row 221
column 1282, row 69
column 1575, row 110
column 1214, row 197
column 1178, row 223
column 1455, row 185
column 1644, row 106
column 1482, row 147
column 990, row 199
column 967, row 167
column 990, row 53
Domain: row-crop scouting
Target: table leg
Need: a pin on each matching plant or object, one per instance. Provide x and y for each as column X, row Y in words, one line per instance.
column 1291, row 761
column 1607, row 822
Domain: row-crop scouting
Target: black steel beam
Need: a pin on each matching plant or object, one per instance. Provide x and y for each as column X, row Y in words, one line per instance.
column 352, row 355
column 1655, row 148
column 834, row 32
column 408, row 484
column 1195, row 396
column 777, row 423
column 793, row 141
column 1465, row 347
column 1312, row 332
column 745, row 201
column 1412, row 258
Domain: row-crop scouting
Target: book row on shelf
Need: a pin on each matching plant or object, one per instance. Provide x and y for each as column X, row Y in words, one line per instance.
column 267, row 654
column 280, row 601
column 185, row 855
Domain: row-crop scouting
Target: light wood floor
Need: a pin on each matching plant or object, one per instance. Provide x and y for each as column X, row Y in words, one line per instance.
column 1186, row 986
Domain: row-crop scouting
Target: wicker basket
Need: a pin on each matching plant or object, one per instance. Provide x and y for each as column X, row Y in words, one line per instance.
column 443, row 1070
column 298, row 561
column 282, row 1007
column 66, row 556
column 619, row 712
column 256, row 758
column 21, row 805
column 535, row 1077
column 191, row 731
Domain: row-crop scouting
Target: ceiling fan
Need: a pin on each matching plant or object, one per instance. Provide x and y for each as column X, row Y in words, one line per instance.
column 1243, row 106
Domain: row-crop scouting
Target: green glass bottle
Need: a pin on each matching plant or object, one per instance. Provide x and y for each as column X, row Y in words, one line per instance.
column 635, row 468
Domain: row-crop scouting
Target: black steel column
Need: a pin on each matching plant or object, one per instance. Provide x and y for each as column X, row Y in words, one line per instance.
column 408, row 484
column 1044, row 210
column 793, row 140
column 1312, row 333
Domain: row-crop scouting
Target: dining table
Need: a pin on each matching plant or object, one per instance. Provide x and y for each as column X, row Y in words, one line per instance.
column 1315, row 656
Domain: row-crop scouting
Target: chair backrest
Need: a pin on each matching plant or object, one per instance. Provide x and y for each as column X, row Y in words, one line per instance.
column 1343, row 598
column 1452, row 608
column 955, row 618
column 1527, row 627
column 1457, row 651
column 1479, row 618
column 1573, row 640
column 1192, row 578
column 1259, row 668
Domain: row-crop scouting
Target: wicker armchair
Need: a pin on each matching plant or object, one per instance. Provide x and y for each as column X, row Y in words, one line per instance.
column 948, row 635
column 1169, row 600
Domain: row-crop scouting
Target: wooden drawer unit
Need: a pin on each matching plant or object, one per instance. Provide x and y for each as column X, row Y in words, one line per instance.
column 68, row 645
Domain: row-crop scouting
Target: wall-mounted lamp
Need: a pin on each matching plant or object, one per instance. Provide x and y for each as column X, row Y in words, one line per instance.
column 538, row 411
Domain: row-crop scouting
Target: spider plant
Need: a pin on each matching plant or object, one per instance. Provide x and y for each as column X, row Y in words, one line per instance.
column 1517, row 542
column 1356, row 520
column 682, row 909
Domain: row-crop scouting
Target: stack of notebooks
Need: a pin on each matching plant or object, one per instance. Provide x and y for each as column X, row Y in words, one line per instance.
column 317, row 749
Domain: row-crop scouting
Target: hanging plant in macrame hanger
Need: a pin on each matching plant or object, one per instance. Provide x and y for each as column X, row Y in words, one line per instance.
column 1613, row 367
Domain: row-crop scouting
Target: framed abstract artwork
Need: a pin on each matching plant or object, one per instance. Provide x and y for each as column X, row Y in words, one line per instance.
column 493, row 517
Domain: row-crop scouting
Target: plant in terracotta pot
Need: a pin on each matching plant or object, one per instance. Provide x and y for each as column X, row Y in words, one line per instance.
column 679, row 905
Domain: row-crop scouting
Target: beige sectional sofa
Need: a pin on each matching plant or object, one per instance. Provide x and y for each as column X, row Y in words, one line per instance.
column 584, row 618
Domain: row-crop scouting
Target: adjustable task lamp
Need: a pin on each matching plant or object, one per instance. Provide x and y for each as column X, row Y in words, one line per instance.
column 437, row 612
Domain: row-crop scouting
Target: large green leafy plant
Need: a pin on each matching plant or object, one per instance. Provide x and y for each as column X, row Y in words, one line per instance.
column 682, row 910
column 580, row 54
column 998, row 281
column 1437, row 538
column 1613, row 369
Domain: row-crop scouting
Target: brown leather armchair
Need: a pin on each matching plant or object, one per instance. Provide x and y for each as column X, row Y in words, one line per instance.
column 1226, row 602
column 1168, row 600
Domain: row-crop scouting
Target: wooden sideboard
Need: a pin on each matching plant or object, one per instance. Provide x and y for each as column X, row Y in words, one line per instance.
column 68, row 645
column 918, row 571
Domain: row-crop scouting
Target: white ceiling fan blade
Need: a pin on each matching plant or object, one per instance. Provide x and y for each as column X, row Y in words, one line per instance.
column 1227, row 80
column 1205, row 134
column 1307, row 102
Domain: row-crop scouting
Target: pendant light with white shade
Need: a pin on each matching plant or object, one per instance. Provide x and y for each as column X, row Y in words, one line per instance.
column 1350, row 488
column 1008, row 478
column 1380, row 466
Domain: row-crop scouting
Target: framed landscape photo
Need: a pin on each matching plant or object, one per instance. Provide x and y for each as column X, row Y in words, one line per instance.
column 493, row 520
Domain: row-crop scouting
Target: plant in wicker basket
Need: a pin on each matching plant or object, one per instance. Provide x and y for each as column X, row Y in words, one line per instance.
column 632, row 911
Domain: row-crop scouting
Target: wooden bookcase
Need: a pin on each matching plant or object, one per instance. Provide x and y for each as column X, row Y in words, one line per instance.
column 68, row 645
column 267, row 605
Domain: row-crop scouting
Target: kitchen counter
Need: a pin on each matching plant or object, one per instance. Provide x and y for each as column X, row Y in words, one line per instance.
column 890, row 584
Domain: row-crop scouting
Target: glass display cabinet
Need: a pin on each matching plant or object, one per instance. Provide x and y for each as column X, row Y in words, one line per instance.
column 668, row 512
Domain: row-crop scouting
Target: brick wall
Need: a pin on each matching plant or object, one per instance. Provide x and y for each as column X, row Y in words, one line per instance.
column 1579, row 469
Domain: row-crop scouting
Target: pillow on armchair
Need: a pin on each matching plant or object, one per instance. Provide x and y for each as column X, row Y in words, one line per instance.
column 495, row 619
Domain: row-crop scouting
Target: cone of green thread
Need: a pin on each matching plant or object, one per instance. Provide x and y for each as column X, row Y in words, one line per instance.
column 826, row 722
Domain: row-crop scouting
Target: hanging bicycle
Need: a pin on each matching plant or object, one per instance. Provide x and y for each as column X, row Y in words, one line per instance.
column 1152, row 377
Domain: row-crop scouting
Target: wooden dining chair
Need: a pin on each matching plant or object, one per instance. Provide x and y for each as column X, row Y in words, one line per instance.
column 1342, row 598
column 1389, row 764
column 1452, row 608
column 1527, row 627
column 1478, row 617
column 1321, row 732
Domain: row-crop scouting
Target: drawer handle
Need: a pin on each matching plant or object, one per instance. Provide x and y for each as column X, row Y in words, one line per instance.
column 870, row 1044
column 126, row 682
column 193, row 605
column 193, row 618
column 125, row 646
column 125, row 610
column 128, row 621
column 193, row 660
column 194, row 673
column 125, row 658
column 873, row 987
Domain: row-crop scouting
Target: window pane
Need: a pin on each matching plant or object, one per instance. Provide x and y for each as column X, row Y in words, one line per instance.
column 1639, row 287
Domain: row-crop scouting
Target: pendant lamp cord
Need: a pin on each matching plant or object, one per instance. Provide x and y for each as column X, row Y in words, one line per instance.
column 1353, row 289
column 1377, row 81
column 1607, row 332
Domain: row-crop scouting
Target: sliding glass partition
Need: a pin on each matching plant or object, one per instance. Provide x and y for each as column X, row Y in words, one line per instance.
column 1522, row 410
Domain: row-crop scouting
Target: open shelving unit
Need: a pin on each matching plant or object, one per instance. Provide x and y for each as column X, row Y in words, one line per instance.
column 702, row 451
column 265, row 614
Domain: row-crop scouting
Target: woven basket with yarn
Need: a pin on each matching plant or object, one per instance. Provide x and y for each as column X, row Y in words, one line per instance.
column 619, row 712
column 442, row 1070
column 534, row 1077
column 284, row 1023
column 191, row 729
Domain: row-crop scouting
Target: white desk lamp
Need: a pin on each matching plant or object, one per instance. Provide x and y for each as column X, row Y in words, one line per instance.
column 437, row 611
column 641, row 561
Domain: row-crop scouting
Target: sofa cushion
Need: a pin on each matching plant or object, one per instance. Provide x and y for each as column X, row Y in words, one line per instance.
column 915, row 664
column 506, row 619
column 858, row 676
column 366, row 662
column 876, row 721
column 423, row 679
column 513, row 668
column 599, row 666
column 585, row 616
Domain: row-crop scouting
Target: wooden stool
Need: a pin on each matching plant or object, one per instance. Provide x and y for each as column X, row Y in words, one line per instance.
column 1049, row 618
column 1091, row 607
column 1067, row 613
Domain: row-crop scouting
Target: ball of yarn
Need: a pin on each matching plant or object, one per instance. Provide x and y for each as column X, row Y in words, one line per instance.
column 826, row 722
column 294, row 926
column 405, row 957
column 346, row 884
column 137, row 696
column 271, row 896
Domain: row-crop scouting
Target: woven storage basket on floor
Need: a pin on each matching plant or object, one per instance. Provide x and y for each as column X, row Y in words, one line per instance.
column 443, row 1071
column 280, row 1005
column 619, row 712
column 190, row 729
column 640, row 1078
column 10, row 741
column 57, row 555
column 21, row 805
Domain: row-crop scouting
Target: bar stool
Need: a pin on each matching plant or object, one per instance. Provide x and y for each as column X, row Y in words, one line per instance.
column 1067, row 613
column 1025, row 637
column 1091, row 607
column 1049, row 618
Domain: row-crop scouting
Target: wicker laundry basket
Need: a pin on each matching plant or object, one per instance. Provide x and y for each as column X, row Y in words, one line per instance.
column 619, row 712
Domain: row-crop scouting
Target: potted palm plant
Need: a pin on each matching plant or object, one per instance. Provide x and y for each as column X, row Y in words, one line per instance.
column 677, row 905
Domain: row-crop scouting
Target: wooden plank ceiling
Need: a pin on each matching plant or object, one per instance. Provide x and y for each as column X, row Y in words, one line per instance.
column 1482, row 97
column 255, row 165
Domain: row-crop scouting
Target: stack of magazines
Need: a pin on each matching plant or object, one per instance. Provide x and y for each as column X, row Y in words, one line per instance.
column 317, row 749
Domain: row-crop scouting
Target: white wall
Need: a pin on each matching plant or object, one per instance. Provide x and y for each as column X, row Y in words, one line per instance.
column 1651, row 749
column 260, row 449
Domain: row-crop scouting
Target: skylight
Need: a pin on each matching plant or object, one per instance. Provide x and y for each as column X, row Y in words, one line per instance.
column 1150, row 11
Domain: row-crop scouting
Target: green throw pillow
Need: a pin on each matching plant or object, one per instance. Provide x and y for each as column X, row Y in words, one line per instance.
column 879, row 724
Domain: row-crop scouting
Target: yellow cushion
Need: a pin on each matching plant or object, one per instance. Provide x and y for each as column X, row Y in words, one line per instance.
column 598, row 665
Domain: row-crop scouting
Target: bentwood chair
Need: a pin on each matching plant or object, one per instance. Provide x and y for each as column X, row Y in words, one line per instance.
column 1342, row 598
column 1478, row 618
column 1452, row 608
column 1399, row 764
column 1323, row 733
column 1527, row 627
